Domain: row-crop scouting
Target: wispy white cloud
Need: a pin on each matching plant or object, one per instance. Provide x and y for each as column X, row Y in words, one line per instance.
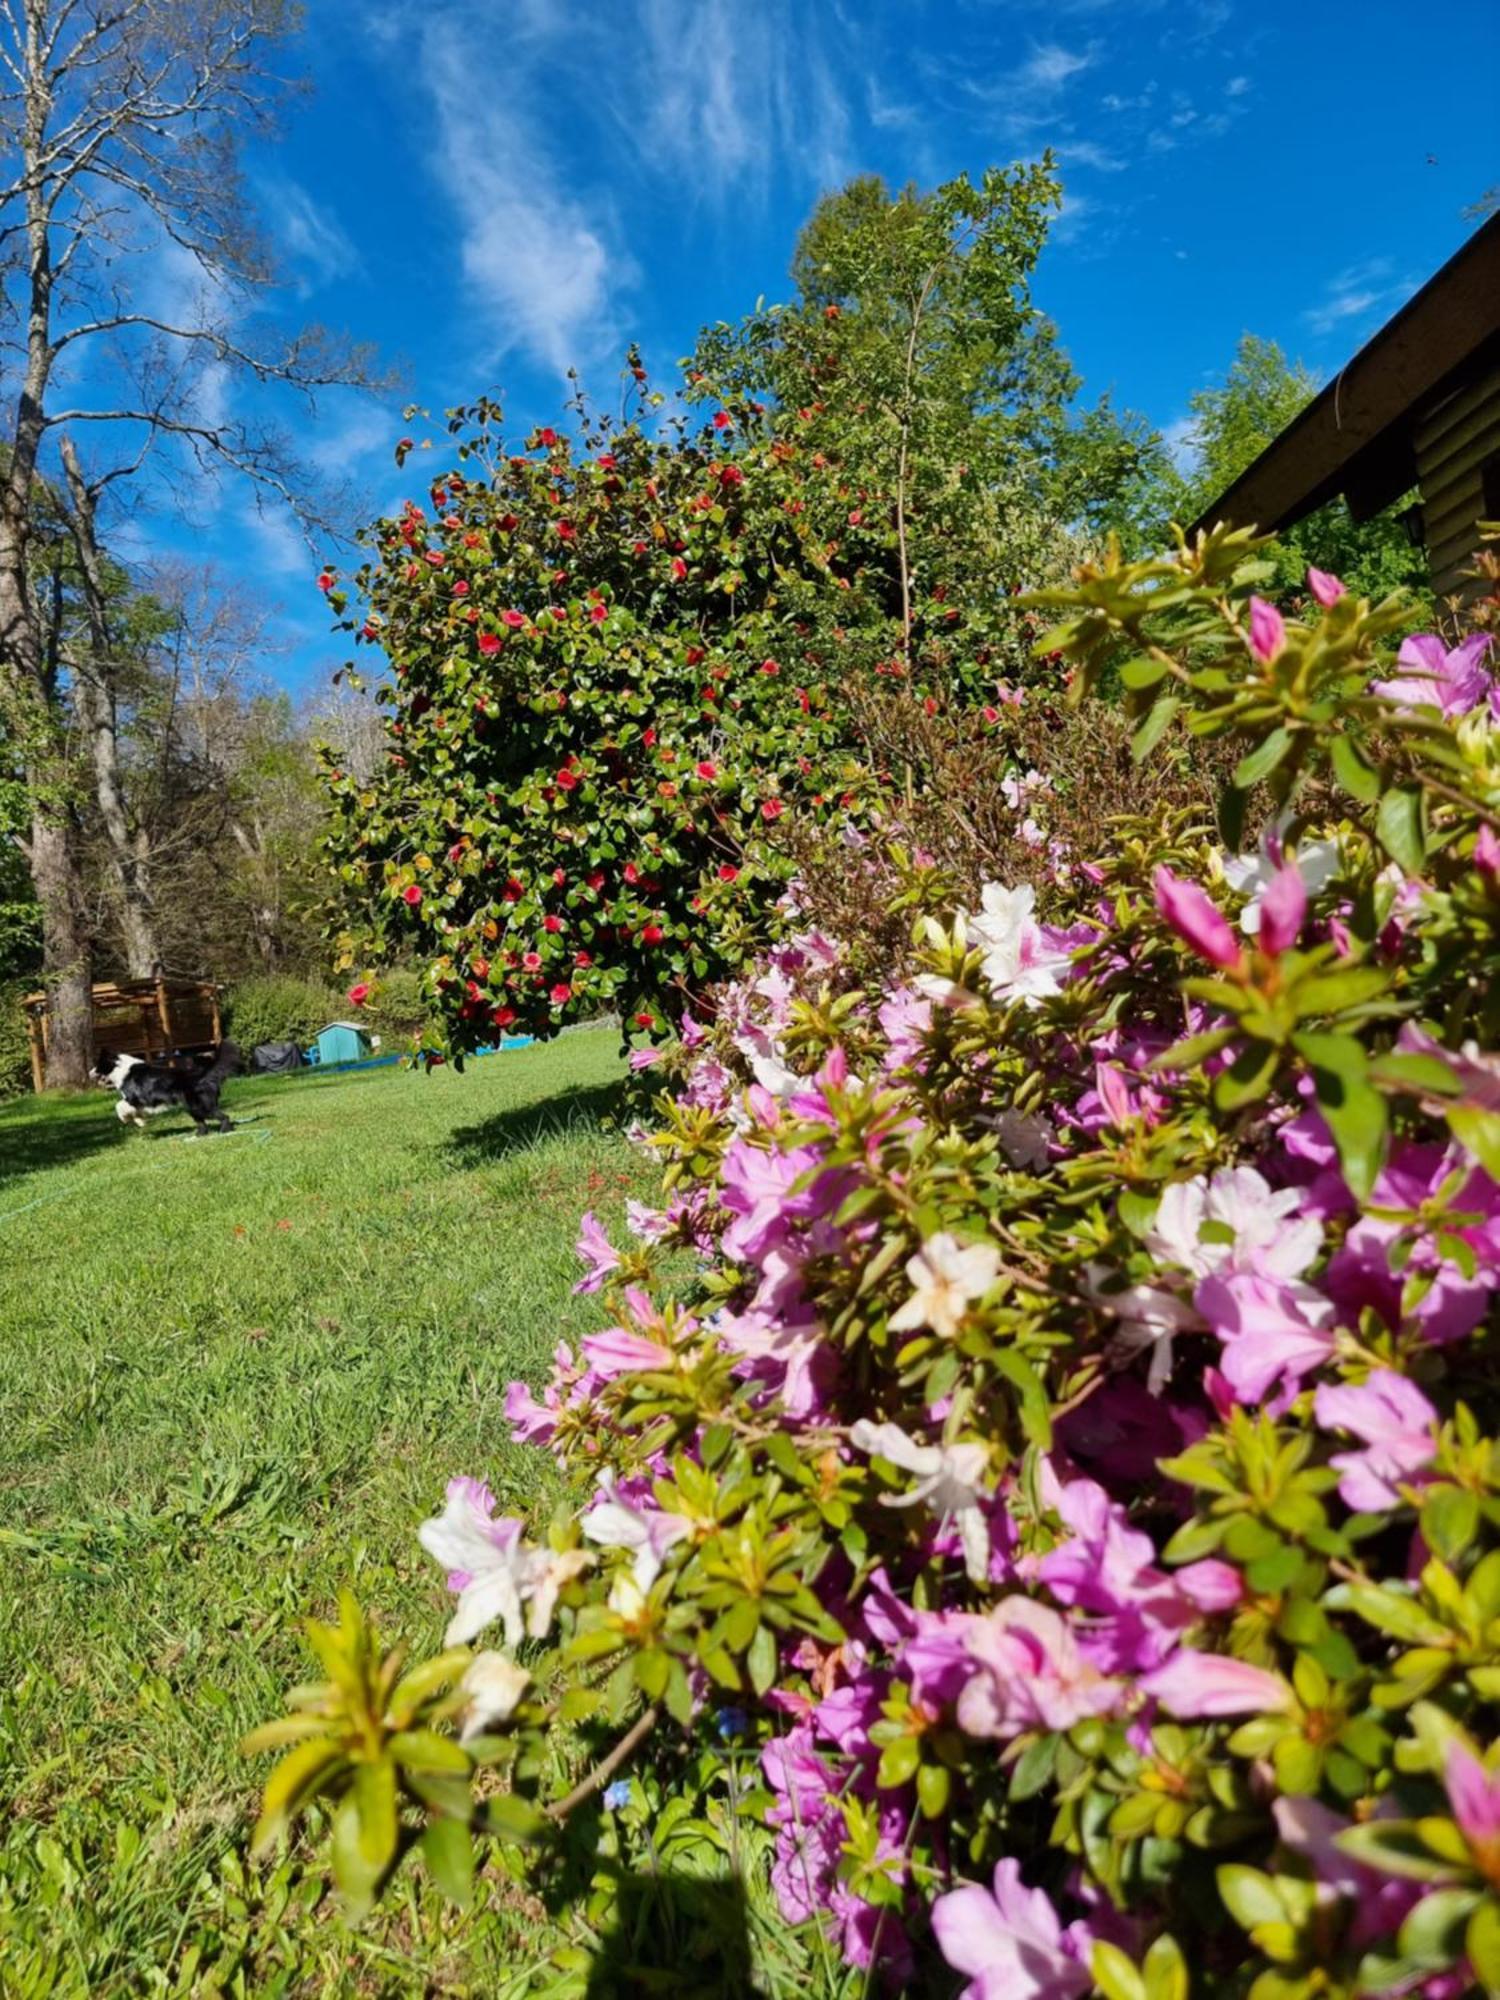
column 313, row 242
column 1357, row 296
column 1178, row 439
column 1087, row 153
column 1051, row 65
column 1237, row 86
column 541, row 268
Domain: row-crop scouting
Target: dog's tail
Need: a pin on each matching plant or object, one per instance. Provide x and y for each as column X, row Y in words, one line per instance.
column 226, row 1061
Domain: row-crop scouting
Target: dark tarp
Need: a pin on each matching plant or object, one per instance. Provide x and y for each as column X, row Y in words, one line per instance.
column 273, row 1058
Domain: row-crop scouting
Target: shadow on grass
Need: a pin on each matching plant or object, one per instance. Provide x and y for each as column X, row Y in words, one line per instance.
column 522, row 1126
column 56, row 1131
column 683, row 1935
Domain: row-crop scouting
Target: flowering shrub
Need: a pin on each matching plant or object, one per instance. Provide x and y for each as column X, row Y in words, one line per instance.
column 1058, row 1513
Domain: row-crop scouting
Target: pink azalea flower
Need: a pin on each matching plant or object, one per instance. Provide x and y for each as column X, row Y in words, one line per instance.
column 1196, row 920
column 1028, row 1673
column 618, row 1352
column 1274, row 1331
column 1325, row 588
column 596, row 1250
column 531, row 1422
column 1267, row 629
column 1283, row 909
column 1397, row 1424
column 1380, row 1901
column 1474, row 1795
column 1192, row 1685
column 1454, row 681
column 1010, row 1941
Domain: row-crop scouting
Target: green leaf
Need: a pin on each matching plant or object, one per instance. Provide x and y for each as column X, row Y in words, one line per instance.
column 357, row 1876
column 1358, row 778
column 374, row 1797
column 1152, row 730
column 1260, row 762
column 1138, row 675
column 1433, row 1933
column 448, row 1851
column 761, row 1659
column 1249, row 1896
column 934, row 1787
column 1450, row 1520
column 1114, row 1975
column 1354, row 1110
column 1482, row 1944
column 898, row 1763
column 1398, row 826
column 512, row 1817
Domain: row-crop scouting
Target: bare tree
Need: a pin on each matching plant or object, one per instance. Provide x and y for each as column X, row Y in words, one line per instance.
column 130, row 273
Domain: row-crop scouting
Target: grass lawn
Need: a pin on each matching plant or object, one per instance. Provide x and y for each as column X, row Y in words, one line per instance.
column 234, row 1373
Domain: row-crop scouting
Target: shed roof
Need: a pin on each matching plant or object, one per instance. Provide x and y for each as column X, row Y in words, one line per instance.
column 1357, row 436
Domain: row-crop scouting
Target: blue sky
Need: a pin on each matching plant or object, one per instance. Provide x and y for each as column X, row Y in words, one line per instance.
column 492, row 189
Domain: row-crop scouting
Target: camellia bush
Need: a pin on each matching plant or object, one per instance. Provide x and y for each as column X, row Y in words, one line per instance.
column 1035, row 1506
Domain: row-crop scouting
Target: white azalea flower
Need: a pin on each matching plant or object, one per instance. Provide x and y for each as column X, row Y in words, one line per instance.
column 493, row 1685
column 1252, row 874
column 1241, row 1201
column 502, row 1576
column 949, row 1479
column 649, row 1531
column 947, row 1276
column 1018, row 961
column 1148, row 1316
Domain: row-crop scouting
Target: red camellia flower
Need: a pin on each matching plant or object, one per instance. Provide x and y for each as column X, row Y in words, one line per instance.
column 582, row 958
column 532, row 960
column 632, row 873
column 411, row 894
column 722, row 420
column 481, row 968
column 559, row 876
column 645, row 1020
column 561, row 994
column 513, row 891
column 772, row 809
column 596, row 880
column 728, row 872
column 707, row 770
column 769, row 667
column 567, row 531
column 503, row 1016
column 325, row 580
column 651, row 933
column 553, row 924
column 508, row 522
column 359, row 993
column 436, row 558
column 855, row 518
column 547, row 436
column 460, row 589
column 514, row 619
column 490, row 644
column 648, row 737
column 567, row 779
column 679, row 568
column 640, row 547
column 830, row 312
column 731, row 476
column 599, row 613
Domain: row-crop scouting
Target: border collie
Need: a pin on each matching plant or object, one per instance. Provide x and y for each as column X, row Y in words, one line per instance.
column 148, row 1088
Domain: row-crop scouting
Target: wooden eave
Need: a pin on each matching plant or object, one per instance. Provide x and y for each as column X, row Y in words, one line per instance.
column 1356, row 436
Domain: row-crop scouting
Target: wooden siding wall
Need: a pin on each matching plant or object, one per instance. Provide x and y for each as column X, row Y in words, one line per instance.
column 1453, row 443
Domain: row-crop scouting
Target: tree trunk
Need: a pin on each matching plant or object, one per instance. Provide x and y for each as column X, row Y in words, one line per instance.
column 67, row 968
column 52, row 850
column 98, row 709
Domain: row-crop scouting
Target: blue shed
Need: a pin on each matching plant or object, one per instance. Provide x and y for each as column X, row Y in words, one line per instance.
column 343, row 1042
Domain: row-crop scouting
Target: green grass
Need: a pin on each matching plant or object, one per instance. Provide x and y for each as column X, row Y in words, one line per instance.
column 234, row 1374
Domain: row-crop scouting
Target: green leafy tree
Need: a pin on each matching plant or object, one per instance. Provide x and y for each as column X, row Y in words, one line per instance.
column 1232, row 425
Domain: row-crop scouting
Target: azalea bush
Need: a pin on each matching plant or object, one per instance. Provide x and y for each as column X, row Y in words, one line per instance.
column 1035, row 1506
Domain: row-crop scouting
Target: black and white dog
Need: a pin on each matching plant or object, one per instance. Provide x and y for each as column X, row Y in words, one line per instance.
column 148, row 1088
